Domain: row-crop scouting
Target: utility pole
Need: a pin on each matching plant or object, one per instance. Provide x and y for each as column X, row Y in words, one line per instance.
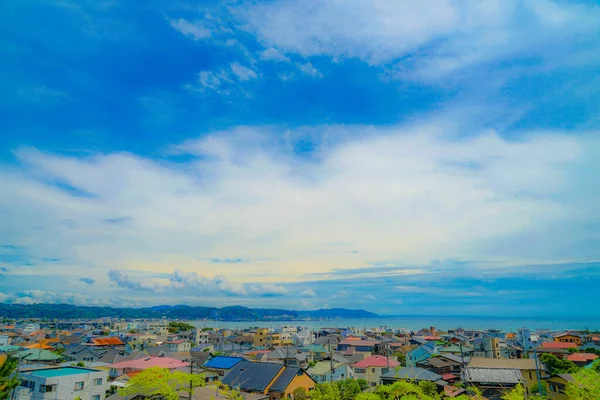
column 537, row 370
column 330, row 363
column 191, row 373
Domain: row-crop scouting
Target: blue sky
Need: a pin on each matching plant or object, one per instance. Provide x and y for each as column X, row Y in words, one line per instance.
column 417, row 157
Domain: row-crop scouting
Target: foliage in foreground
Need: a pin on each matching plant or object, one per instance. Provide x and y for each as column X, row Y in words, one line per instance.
column 8, row 379
column 157, row 381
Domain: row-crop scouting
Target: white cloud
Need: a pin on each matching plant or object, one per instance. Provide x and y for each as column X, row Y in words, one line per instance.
column 225, row 81
column 308, row 69
column 268, row 289
column 243, row 73
column 308, row 293
column 412, row 194
column 432, row 37
column 195, row 30
column 388, row 28
column 273, row 55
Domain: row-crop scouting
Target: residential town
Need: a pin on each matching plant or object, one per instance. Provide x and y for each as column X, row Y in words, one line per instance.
column 93, row 360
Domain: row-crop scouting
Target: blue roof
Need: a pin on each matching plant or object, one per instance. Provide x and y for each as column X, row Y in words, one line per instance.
column 222, row 362
column 64, row 371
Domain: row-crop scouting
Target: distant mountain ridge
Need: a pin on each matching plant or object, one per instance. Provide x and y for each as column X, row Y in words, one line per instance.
column 231, row 313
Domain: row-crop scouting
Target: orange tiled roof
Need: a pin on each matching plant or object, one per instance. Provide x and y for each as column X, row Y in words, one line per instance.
column 38, row 346
column 581, row 357
column 107, row 341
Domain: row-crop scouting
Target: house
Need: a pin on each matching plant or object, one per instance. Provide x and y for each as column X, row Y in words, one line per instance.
column 278, row 339
column 328, row 370
column 456, row 362
column 528, row 367
column 421, row 353
column 414, row 374
column 40, row 356
column 202, row 336
column 493, row 382
column 221, row 365
column 289, row 356
column 178, row 345
column 260, row 337
column 317, row 351
column 62, row 383
column 272, row 379
column 104, row 341
column 582, row 359
column 557, row 385
column 365, row 347
column 437, row 364
column 141, row 364
column 569, row 337
column 372, row 368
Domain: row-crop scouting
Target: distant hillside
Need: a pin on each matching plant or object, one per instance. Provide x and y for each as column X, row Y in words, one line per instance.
column 233, row 313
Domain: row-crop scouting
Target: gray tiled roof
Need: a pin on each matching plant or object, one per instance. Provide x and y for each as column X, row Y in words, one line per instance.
column 284, row 379
column 492, row 375
column 252, row 376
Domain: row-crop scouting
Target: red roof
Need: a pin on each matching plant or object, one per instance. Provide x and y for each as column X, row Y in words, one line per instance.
column 557, row 345
column 581, row 357
column 107, row 341
column 377, row 361
column 143, row 363
column 448, row 377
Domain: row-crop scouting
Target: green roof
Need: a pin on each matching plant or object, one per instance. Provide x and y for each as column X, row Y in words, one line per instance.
column 9, row 349
column 455, row 349
column 316, row 348
column 322, row 368
column 37, row 355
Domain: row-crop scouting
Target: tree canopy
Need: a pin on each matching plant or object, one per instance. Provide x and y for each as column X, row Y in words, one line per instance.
column 157, row 381
column 555, row 365
column 586, row 386
column 8, row 377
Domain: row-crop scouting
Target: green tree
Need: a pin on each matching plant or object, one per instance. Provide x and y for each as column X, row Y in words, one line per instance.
column 8, row 377
column 157, row 381
column 586, row 386
column 518, row 393
column 555, row 365
column 299, row 394
column 401, row 358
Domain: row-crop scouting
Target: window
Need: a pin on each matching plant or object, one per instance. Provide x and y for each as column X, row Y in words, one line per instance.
column 96, row 397
column 78, row 385
column 28, row 384
column 372, row 369
column 97, row 381
column 47, row 388
column 385, row 370
column 360, row 370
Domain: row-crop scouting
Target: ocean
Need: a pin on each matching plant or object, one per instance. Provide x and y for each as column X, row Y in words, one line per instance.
column 506, row 324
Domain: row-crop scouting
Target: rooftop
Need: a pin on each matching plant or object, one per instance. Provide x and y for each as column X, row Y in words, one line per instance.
column 377, row 361
column 493, row 375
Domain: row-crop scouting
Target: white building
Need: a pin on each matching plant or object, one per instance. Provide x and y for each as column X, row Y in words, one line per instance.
column 62, row 383
column 30, row 328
